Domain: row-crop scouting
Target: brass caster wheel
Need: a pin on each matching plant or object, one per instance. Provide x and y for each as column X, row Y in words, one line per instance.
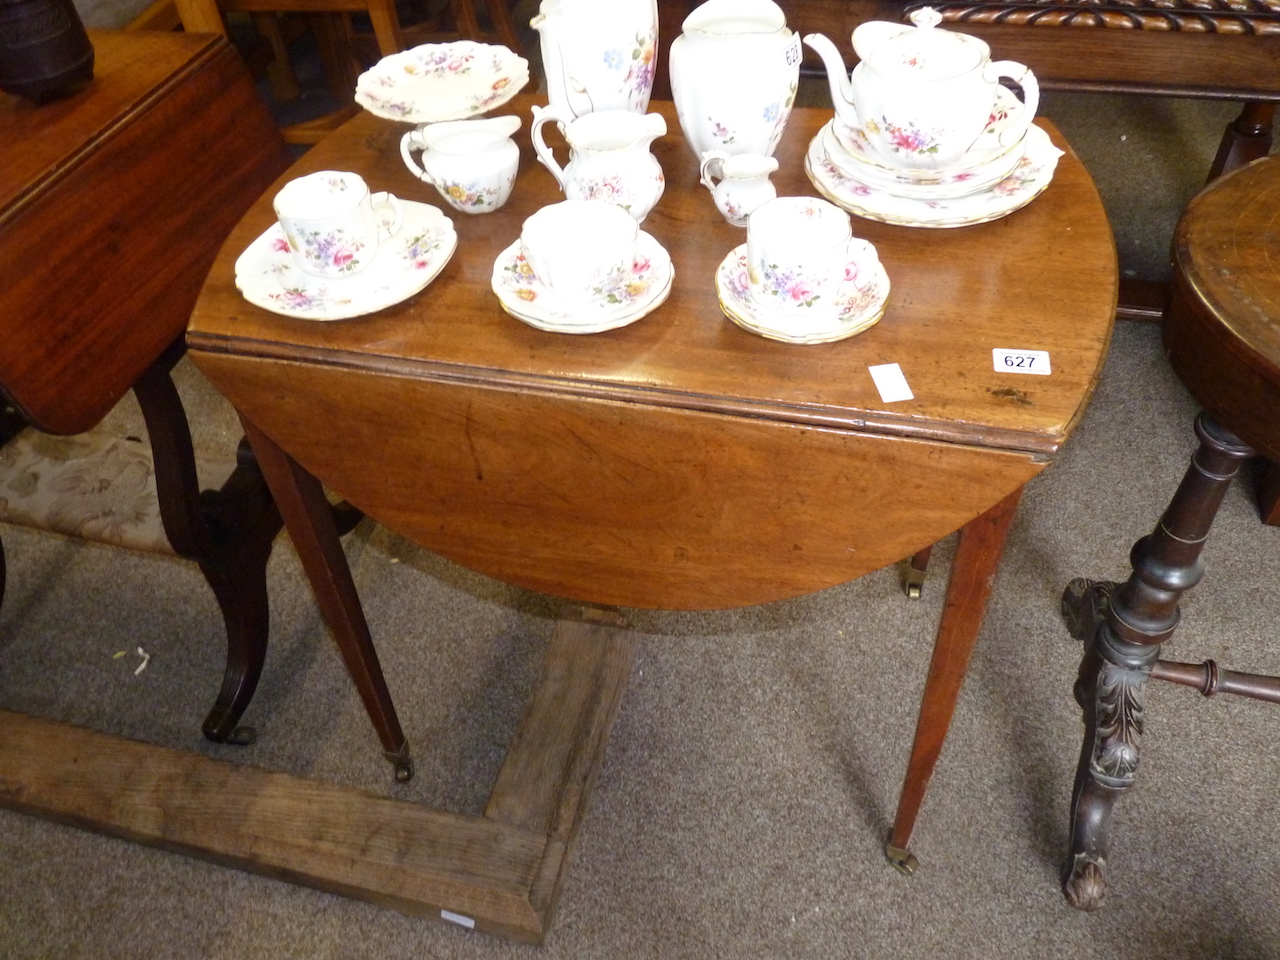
column 903, row 861
column 402, row 762
column 912, row 579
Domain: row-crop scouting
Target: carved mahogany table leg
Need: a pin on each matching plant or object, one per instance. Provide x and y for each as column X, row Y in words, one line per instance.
column 972, row 574
column 228, row 532
column 1122, row 628
column 310, row 521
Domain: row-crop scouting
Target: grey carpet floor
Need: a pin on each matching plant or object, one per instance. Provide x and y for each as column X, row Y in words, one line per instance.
column 754, row 768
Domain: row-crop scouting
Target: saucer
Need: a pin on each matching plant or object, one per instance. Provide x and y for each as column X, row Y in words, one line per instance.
column 269, row 277
column 1026, row 182
column 944, row 185
column 858, row 305
column 987, row 148
column 641, row 291
column 442, row 81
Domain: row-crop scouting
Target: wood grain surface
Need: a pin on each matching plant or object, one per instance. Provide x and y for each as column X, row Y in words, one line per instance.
column 679, row 461
column 1221, row 331
column 502, row 872
column 114, row 203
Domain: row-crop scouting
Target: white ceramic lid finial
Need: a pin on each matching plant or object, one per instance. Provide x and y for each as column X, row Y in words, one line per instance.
column 925, row 17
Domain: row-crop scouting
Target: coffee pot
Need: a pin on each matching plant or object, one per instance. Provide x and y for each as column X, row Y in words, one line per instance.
column 926, row 98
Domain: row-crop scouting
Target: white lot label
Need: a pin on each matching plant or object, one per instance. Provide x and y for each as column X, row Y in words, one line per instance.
column 891, row 383
column 459, row 919
column 1021, row 361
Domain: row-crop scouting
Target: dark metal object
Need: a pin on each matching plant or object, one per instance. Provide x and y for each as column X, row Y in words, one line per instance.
column 44, row 51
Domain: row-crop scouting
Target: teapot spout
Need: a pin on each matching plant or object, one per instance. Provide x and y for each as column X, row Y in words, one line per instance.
column 841, row 86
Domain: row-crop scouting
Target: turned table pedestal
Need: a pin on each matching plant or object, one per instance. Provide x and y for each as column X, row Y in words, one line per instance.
column 1222, row 339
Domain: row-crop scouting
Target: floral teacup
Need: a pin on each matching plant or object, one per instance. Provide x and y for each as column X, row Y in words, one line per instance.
column 580, row 249
column 330, row 222
column 798, row 249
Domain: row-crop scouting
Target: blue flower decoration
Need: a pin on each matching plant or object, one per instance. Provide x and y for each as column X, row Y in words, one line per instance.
column 771, row 113
column 613, row 59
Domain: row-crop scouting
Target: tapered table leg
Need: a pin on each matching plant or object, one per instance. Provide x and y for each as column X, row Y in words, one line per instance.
column 1122, row 628
column 972, row 576
column 309, row 519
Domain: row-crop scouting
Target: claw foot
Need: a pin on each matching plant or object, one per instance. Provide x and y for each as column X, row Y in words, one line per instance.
column 1086, row 886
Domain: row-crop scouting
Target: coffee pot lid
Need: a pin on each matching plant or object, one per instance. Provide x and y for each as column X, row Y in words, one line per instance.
column 922, row 51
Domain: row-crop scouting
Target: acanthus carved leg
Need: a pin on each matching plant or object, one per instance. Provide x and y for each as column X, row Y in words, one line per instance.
column 1123, row 627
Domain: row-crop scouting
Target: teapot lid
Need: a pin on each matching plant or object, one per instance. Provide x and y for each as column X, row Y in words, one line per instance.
column 922, row 51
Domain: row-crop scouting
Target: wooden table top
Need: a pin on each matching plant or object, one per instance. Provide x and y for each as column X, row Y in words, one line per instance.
column 1220, row 332
column 1228, row 247
column 1044, row 278
column 112, row 204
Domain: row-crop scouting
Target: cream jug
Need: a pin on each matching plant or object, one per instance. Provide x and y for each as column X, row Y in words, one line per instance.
column 597, row 55
column 923, row 97
column 739, row 183
column 609, row 157
column 734, row 74
column 471, row 162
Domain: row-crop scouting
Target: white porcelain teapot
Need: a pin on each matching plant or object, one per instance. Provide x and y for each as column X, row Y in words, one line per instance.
column 609, row 156
column 926, row 98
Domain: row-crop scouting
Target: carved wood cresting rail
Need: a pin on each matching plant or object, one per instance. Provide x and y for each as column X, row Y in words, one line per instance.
column 1255, row 17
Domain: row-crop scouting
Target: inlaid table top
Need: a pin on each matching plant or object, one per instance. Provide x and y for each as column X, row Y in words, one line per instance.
column 642, row 465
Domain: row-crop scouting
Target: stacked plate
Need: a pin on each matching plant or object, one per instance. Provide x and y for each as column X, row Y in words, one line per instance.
column 991, row 181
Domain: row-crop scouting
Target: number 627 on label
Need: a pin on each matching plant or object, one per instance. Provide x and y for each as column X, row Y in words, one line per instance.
column 1021, row 361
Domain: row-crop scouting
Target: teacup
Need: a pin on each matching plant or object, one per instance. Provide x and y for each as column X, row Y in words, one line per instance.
column 580, row 249
column 333, row 224
column 798, row 249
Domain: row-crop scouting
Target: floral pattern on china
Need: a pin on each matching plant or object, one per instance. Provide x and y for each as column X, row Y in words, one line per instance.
column 859, row 302
column 268, row 275
column 620, row 286
column 595, row 59
column 328, row 249
column 442, row 81
column 621, row 298
column 939, row 83
column 1028, row 179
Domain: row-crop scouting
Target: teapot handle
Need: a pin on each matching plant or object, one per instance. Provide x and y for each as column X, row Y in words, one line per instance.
column 704, row 168
column 1023, row 77
column 541, row 116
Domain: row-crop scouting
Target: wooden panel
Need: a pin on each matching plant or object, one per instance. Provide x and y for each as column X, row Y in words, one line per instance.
column 552, row 763
column 102, row 261
column 1044, row 278
column 503, row 870
column 43, row 141
column 337, row 839
column 617, row 503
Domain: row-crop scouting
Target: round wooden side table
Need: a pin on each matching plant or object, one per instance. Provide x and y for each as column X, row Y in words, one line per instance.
column 1222, row 336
